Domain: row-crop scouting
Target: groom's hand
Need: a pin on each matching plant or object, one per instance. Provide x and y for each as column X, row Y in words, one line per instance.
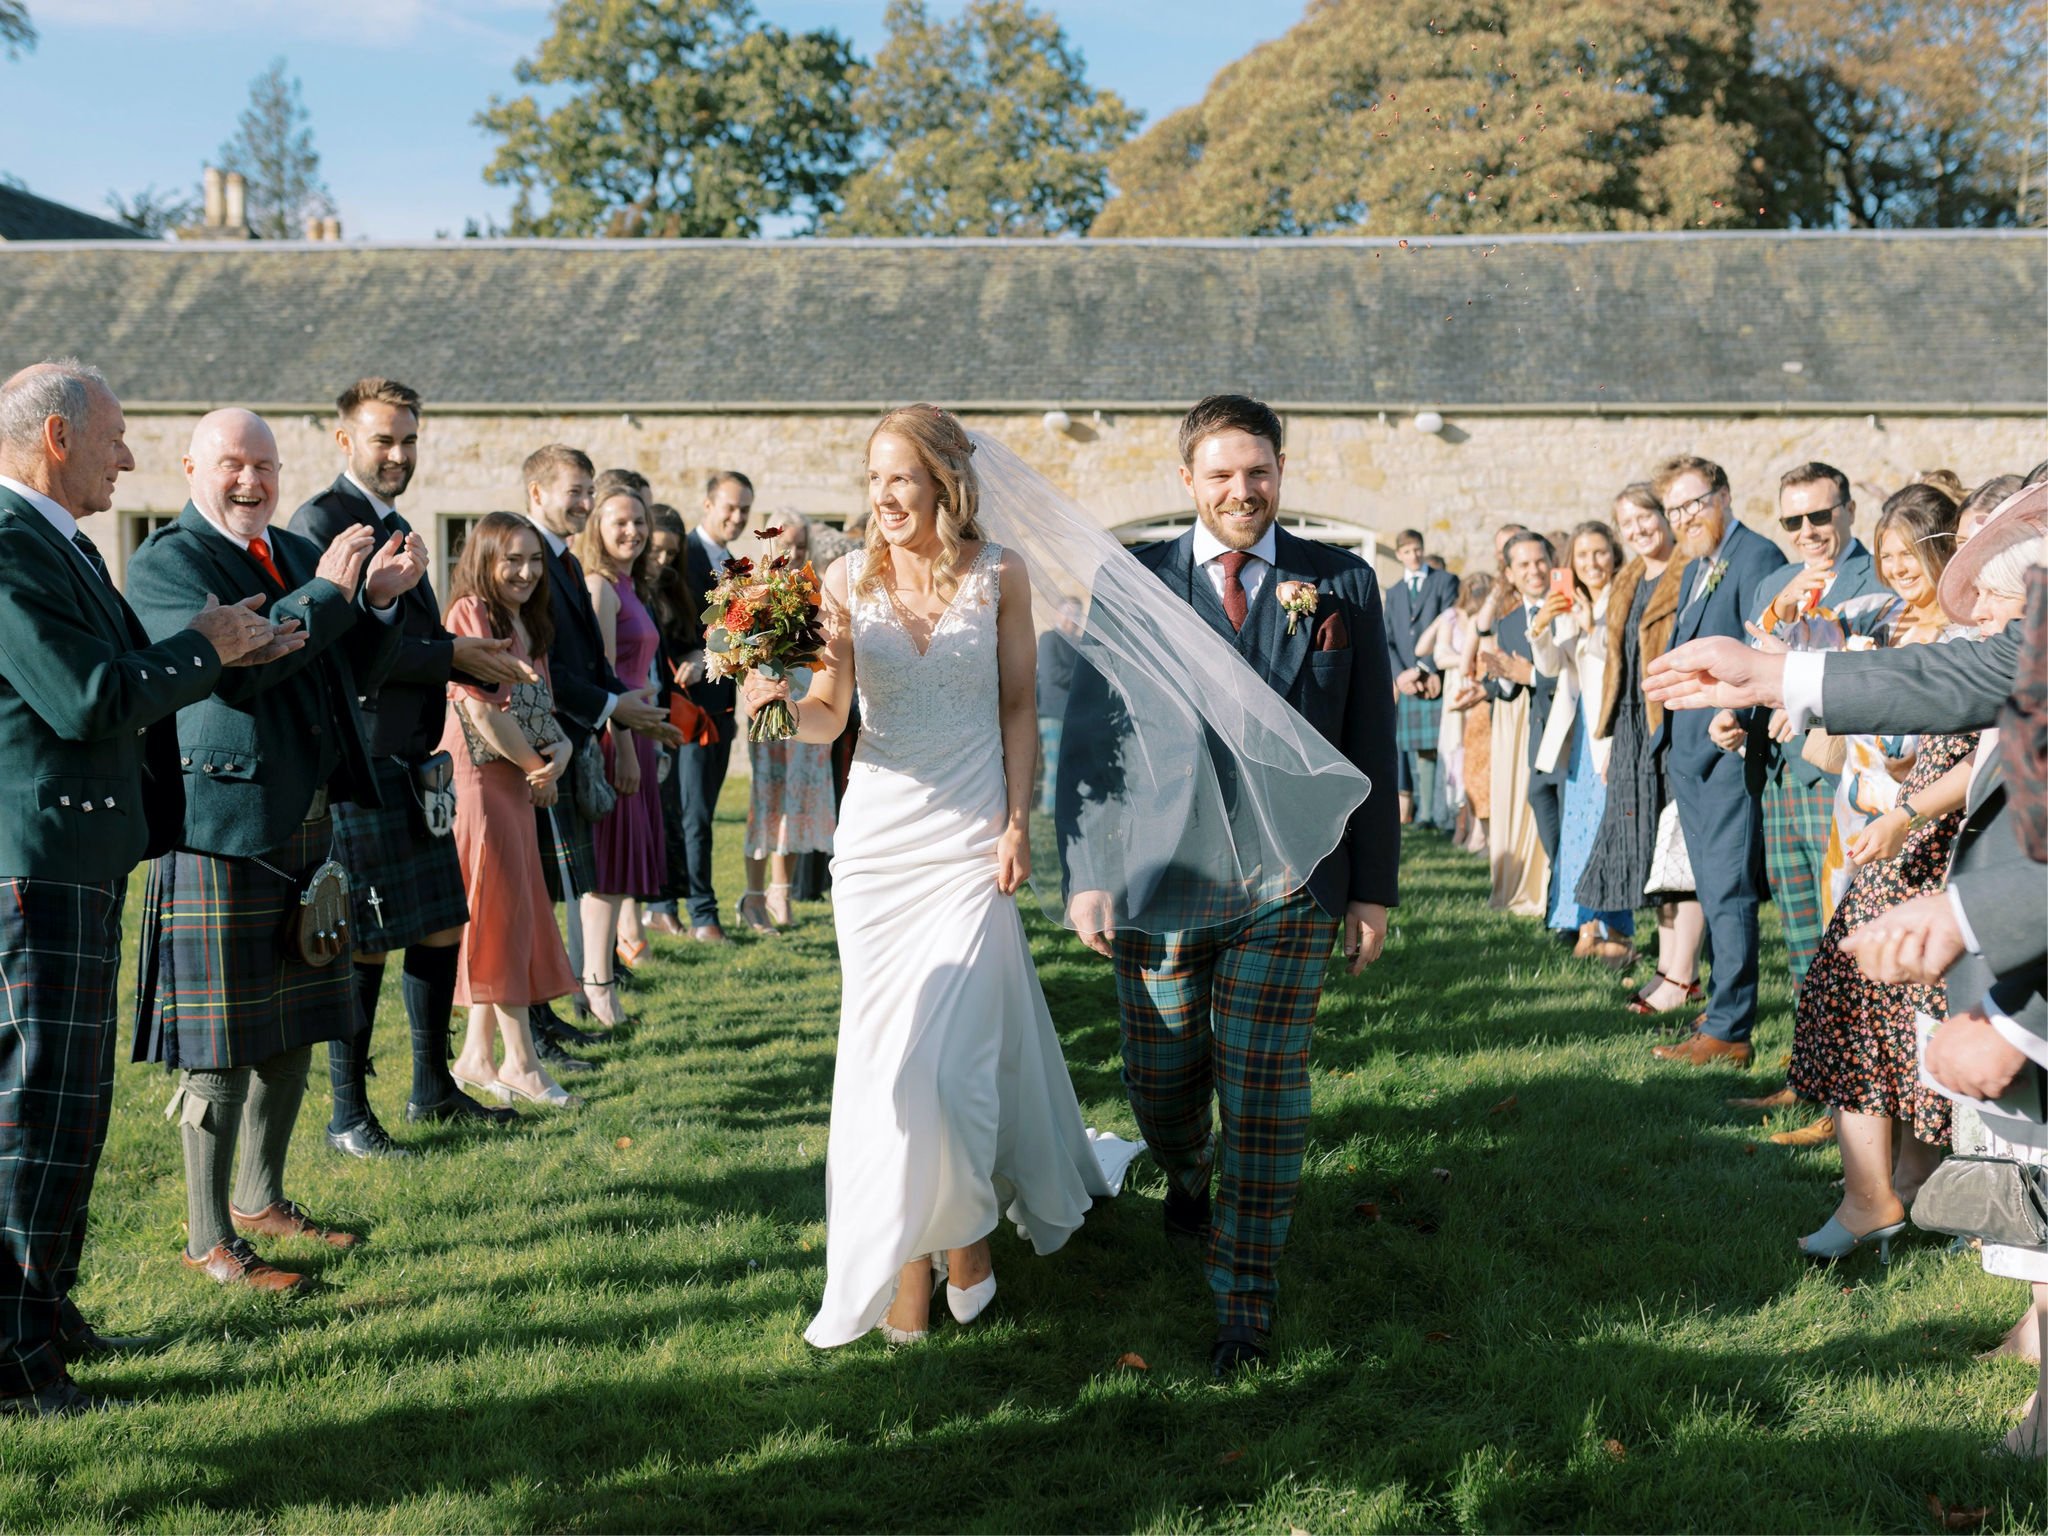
column 1365, row 933
column 1092, row 916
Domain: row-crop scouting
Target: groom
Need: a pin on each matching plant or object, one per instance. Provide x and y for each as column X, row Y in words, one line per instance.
column 1227, row 1010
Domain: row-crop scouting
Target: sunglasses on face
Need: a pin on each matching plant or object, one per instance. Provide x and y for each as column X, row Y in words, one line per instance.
column 1820, row 519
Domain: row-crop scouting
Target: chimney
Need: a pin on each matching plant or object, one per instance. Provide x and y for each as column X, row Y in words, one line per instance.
column 330, row 228
column 313, row 226
column 212, row 182
column 236, row 216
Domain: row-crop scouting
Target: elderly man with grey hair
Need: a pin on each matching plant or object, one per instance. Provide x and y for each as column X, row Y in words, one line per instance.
column 89, row 786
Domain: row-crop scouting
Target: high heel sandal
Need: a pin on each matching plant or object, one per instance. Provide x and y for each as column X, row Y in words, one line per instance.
column 1640, row 1002
column 592, row 985
column 1835, row 1241
column 630, row 955
column 554, row 1096
column 752, row 909
column 777, row 907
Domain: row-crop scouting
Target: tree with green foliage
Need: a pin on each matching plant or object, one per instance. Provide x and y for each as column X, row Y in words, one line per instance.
column 1906, row 113
column 984, row 125
column 684, row 118
column 273, row 149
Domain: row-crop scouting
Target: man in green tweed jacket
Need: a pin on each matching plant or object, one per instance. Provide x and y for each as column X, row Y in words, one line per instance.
column 88, row 786
column 225, row 997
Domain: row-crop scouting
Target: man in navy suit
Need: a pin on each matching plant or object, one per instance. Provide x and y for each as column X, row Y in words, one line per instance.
column 1227, row 1009
column 1717, row 808
column 1529, row 557
column 1412, row 604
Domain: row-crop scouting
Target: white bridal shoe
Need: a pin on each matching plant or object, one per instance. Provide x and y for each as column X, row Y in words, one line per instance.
column 969, row 1304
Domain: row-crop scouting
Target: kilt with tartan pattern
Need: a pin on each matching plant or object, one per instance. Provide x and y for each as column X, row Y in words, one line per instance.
column 1418, row 723
column 404, row 883
column 1227, row 1011
column 220, row 984
column 562, row 825
column 60, row 961
column 1797, row 821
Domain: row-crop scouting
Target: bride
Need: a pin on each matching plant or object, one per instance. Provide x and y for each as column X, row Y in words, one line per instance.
column 951, row 1105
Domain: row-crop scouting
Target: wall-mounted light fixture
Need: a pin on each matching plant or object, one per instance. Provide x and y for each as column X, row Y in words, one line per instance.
column 1058, row 422
column 1429, row 421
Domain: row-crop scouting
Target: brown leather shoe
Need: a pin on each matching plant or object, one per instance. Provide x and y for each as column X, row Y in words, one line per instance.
column 710, row 933
column 1784, row 1098
column 1818, row 1134
column 234, row 1262
column 1704, row 1050
column 286, row 1219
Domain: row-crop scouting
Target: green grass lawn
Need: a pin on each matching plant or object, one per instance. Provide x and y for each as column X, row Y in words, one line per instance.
column 1578, row 1308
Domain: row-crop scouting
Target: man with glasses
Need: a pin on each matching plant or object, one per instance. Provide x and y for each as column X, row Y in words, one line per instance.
column 1716, row 808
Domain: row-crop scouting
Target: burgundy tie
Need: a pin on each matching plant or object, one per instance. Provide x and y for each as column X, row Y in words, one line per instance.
column 1234, row 605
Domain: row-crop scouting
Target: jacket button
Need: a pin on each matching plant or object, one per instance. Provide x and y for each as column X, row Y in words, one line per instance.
column 64, row 800
column 186, row 761
column 145, row 674
column 316, row 730
column 87, row 806
column 110, row 802
column 171, row 671
column 209, row 767
column 197, row 662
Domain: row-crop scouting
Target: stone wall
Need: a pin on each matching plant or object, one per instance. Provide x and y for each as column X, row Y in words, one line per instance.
column 1380, row 475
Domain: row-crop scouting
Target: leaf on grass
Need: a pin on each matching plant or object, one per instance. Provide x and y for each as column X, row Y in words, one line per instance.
column 1615, row 1449
column 1438, row 1336
column 1135, row 1361
column 623, row 1142
column 1504, row 1105
column 1366, row 1210
column 1228, row 1457
column 1955, row 1518
column 1749, row 1149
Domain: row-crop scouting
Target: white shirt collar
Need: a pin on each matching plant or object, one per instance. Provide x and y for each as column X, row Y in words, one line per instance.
column 221, row 528
column 383, row 509
column 58, row 517
column 1208, row 546
column 554, row 541
column 718, row 551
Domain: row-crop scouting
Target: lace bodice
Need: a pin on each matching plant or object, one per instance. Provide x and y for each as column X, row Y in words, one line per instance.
column 941, row 705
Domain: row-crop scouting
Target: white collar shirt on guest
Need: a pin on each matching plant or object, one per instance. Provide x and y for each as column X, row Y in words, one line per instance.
column 221, row 528
column 555, row 542
column 718, row 552
column 1208, row 547
column 53, row 513
column 382, row 508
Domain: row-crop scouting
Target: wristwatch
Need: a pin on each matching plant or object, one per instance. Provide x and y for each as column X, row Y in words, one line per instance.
column 1915, row 820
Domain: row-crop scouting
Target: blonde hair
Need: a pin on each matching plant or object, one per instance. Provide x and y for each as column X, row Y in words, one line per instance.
column 946, row 454
column 589, row 543
column 2005, row 573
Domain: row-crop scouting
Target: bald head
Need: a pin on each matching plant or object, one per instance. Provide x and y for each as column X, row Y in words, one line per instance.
column 62, row 433
column 232, row 469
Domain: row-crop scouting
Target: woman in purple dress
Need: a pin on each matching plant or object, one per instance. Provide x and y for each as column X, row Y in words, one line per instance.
column 632, row 853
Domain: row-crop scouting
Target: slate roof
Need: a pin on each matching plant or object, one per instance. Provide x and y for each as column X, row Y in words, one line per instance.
column 24, row 216
column 1612, row 322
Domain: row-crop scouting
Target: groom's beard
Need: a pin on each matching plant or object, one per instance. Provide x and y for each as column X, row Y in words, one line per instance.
column 1233, row 531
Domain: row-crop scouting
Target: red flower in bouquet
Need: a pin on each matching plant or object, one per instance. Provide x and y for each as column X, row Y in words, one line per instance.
column 768, row 623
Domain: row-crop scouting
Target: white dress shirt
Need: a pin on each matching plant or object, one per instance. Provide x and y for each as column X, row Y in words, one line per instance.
column 382, row 508
column 1209, row 548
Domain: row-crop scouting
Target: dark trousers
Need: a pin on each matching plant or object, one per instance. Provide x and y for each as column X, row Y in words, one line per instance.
column 1724, row 835
column 699, row 776
column 60, row 959
column 1546, row 800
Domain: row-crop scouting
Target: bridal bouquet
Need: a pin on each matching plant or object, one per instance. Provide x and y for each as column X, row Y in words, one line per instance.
column 766, row 621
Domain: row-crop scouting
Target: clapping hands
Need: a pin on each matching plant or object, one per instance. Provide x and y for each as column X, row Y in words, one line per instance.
column 396, row 569
column 243, row 638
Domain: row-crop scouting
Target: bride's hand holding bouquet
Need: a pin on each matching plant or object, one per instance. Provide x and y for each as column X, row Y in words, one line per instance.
column 761, row 625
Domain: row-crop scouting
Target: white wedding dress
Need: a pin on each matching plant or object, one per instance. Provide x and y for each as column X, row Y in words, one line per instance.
column 951, row 1105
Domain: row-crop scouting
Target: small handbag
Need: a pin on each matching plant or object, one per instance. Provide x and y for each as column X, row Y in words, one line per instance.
column 595, row 798
column 433, row 785
column 1992, row 1198
column 532, row 709
column 1670, row 861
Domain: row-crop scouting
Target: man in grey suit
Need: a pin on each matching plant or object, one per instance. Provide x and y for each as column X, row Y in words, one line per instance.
column 1412, row 604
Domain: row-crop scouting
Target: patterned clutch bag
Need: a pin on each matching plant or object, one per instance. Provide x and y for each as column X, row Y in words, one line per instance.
column 532, row 709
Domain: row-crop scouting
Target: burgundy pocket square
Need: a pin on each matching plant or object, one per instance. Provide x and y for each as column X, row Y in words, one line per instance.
column 1331, row 635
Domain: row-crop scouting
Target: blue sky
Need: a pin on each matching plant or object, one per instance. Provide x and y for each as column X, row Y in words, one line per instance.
column 120, row 94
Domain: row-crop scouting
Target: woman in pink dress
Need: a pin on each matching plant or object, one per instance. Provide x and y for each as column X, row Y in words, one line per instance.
column 632, row 848
column 510, row 755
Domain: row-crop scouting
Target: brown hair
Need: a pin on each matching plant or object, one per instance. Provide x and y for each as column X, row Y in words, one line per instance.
column 589, row 543
column 1593, row 529
column 476, row 575
column 1987, row 496
column 946, row 453
column 383, row 391
column 1946, row 481
column 1641, row 497
column 1473, row 591
column 1925, row 518
column 1228, row 413
column 543, row 462
column 1687, row 464
column 671, row 597
column 726, row 477
column 1810, row 472
column 611, row 480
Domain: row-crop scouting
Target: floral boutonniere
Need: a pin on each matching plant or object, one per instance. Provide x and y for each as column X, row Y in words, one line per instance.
column 1298, row 599
column 1714, row 574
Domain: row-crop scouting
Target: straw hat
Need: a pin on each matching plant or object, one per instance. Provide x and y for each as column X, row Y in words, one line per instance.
column 2021, row 516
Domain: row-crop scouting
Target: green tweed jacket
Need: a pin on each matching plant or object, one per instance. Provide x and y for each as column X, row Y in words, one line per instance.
column 89, row 781
column 254, row 753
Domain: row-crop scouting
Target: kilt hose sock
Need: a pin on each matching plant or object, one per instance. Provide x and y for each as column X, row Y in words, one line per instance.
column 245, row 1110
column 348, row 1060
column 428, row 984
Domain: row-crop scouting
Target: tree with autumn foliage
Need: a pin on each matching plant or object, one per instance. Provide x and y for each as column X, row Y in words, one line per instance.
column 1379, row 115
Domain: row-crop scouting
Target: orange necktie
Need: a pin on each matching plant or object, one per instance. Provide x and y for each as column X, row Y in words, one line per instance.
column 259, row 551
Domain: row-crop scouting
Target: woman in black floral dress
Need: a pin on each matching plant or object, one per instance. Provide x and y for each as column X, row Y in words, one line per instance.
column 1855, row 1047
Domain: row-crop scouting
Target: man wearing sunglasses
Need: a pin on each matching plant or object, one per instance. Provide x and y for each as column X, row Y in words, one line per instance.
column 1717, row 809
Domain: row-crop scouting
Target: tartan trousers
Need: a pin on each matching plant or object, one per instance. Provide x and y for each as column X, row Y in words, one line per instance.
column 1227, row 1011
column 1797, row 819
column 60, row 958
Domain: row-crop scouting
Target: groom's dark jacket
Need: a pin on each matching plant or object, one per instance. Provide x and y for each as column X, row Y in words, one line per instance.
column 1332, row 670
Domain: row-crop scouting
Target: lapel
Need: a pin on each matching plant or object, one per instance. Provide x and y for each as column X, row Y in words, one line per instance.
column 1282, row 654
column 571, row 601
column 1856, row 577
column 110, row 601
column 1690, row 613
column 240, row 574
column 1988, row 779
column 1398, row 609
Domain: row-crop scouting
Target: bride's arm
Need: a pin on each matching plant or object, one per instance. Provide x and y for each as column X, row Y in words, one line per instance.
column 821, row 712
column 1017, row 682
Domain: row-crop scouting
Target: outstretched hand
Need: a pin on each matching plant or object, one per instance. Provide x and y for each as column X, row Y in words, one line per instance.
column 1716, row 673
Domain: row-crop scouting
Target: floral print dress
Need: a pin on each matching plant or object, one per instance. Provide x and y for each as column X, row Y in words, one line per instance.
column 1855, row 1047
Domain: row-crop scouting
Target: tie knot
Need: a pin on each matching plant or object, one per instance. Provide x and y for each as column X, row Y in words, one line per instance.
column 260, row 549
column 1234, row 561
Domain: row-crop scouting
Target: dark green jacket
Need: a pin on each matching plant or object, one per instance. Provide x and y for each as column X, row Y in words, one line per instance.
column 254, row 753
column 85, row 713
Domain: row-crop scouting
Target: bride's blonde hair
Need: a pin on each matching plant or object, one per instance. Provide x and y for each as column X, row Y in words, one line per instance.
column 947, row 455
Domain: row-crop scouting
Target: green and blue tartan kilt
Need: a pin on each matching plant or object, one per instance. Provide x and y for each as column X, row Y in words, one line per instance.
column 60, row 964
column 1798, row 818
column 404, row 882
column 566, row 835
column 221, row 982
column 1418, row 723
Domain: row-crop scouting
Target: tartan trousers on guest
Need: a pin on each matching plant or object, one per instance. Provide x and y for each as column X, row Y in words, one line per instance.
column 1227, row 1011
column 60, row 958
column 1797, row 818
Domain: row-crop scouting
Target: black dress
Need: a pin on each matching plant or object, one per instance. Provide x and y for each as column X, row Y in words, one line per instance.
column 1620, row 865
